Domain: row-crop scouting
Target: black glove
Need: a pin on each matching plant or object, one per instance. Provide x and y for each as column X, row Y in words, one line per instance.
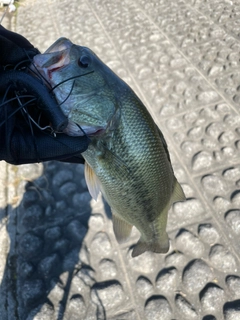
column 21, row 141
column 15, row 48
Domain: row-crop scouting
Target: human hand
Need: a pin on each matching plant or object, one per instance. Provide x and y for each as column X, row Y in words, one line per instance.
column 22, row 139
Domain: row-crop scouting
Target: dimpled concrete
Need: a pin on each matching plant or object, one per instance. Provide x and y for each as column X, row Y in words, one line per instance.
column 59, row 257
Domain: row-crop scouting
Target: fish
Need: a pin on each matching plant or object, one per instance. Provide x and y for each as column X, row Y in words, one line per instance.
column 127, row 159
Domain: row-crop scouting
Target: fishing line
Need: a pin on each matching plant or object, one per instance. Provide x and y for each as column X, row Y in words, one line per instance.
column 37, row 73
column 74, row 77
column 6, row 92
column 5, row 102
column 15, row 111
column 68, row 94
column 21, row 62
column 15, row 98
column 83, row 131
column 29, row 117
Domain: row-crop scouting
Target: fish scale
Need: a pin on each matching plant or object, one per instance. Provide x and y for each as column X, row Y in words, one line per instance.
column 127, row 159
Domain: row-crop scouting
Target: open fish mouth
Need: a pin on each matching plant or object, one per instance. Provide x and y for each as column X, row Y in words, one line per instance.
column 74, row 129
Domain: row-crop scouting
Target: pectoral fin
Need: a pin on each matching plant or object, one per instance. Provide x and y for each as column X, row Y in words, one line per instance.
column 178, row 194
column 92, row 181
column 116, row 162
column 161, row 246
column 121, row 228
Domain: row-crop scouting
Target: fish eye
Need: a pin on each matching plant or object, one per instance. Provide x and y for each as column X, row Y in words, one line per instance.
column 83, row 61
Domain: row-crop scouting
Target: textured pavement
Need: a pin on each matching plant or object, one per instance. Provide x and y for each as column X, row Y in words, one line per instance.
column 59, row 258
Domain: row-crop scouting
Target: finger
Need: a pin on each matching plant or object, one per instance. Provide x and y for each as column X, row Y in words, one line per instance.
column 75, row 159
column 46, row 101
column 15, row 38
column 28, row 149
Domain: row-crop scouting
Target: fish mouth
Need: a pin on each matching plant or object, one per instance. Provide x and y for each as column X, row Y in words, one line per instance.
column 74, row 129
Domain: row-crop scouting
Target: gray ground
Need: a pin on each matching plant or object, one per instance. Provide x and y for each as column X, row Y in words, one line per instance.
column 59, row 257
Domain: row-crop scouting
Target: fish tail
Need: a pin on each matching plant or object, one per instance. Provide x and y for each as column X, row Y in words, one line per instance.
column 158, row 246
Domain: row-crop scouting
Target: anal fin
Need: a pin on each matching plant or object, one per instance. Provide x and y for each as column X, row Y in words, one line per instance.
column 92, row 181
column 121, row 228
column 178, row 194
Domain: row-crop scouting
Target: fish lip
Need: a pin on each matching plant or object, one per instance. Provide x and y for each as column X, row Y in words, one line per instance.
column 75, row 129
column 93, row 131
column 97, row 133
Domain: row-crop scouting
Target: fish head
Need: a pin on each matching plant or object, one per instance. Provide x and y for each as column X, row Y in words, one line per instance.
column 82, row 85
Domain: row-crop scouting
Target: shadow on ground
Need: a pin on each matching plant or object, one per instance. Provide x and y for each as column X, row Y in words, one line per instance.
column 47, row 246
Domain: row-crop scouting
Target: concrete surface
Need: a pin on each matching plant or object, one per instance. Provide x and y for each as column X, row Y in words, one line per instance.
column 59, row 257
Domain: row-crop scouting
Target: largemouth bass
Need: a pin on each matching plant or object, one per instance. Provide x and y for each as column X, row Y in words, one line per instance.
column 127, row 159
